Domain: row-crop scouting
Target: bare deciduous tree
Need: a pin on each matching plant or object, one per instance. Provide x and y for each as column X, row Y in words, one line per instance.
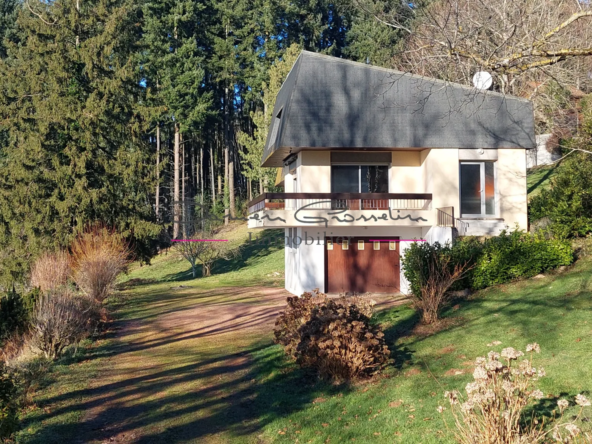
column 203, row 248
column 452, row 39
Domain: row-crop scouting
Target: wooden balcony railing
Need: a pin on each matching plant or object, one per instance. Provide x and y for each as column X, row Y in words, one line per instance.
column 340, row 201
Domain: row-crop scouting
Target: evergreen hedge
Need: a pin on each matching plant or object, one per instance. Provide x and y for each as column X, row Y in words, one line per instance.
column 504, row 258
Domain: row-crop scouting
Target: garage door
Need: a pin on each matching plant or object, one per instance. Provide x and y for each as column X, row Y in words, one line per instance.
column 362, row 265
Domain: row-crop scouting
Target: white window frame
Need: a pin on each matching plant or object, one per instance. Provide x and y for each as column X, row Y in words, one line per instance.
column 482, row 184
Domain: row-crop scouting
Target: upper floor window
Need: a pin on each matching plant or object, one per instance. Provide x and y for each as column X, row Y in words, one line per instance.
column 359, row 172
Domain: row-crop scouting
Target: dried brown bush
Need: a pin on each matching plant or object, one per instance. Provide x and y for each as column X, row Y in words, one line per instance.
column 51, row 271
column 297, row 313
column 62, row 319
column 98, row 256
column 332, row 336
column 494, row 409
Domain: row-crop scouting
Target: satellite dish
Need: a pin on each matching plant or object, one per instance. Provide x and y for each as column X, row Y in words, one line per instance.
column 482, row 80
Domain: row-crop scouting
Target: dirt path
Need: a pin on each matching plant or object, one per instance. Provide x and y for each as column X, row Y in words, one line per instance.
column 180, row 368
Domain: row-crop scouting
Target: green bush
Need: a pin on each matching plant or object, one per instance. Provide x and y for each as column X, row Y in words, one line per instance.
column 567, row 203
column 8, row 404
column 509, row 256
column 515, row 255
column 15, row 312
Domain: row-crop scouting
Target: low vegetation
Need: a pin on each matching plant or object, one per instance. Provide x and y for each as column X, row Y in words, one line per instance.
column 333, row 337
column 63, row 308
column 62, row 319
column 8, row 404
column 98, row 255
column 51, row 270
column 565, row 207
column 494, row 410
column 433, row 269
column 476, row 264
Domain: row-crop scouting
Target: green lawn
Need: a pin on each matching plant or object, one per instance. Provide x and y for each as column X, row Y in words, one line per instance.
column 539, row 178
column 153, row 384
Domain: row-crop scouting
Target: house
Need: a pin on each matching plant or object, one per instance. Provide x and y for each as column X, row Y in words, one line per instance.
column 372, row 159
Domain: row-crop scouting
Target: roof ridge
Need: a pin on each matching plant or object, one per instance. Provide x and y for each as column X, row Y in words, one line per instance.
column 408, row 74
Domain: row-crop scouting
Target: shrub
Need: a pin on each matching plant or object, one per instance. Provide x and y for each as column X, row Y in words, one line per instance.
column 514, row 255
column 8, row 404
column 62, row 319
column 98, row 256
column 51, row 271
column 500, row 259
column 568, row 201
column 15, row 312
column 333, row 337
column 297, row 313
column 496, row 402
column 432, row 270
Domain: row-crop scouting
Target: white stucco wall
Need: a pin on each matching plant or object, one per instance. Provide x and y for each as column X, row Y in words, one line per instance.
column 441, row 177
column 511, row 187
column 314, row 172
column 406, row 173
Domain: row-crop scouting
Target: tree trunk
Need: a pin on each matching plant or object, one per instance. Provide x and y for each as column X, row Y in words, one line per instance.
column 203, row 182
column 231, row 188
column 183, row 203
column 176, row 196
column 213, row 184
column 219, row 184
column 206, row 269
column 226, row 152
column 157, row 198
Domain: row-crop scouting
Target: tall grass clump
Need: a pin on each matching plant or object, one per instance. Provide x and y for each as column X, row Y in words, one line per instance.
column 99, row 255
column 51, row 270
column 495, row 409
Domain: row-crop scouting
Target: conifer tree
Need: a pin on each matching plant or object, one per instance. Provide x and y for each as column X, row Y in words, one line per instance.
column 174, row 39
column 76, row 152
column 254, row 145
column 8, row 30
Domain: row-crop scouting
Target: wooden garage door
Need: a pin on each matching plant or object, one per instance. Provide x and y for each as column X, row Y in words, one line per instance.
column 362, row 265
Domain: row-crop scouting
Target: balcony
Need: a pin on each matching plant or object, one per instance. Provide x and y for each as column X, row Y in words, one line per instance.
column 281, row 210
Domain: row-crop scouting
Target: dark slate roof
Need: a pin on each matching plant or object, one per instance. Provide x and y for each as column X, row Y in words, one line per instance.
column 327, row 102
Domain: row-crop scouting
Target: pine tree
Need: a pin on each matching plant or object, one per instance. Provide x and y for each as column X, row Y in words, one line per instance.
column 174, row 59
column 76, row 152
column 8, row 29
column 254, row 145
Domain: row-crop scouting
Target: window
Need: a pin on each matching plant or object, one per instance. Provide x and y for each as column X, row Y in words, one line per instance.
column 359, row 178
column 345, row 244
column 477, row 188
column 377, row 245
column 392, row 245
column 329, row 244
column 360, row 245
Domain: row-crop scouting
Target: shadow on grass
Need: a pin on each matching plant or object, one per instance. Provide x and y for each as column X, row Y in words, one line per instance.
column 543, row 178
column 251, row 389
column 401, row 322
column 257, row 246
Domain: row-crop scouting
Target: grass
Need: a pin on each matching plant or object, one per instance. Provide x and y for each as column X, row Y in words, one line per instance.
column 149, row 381
column 539, row 178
